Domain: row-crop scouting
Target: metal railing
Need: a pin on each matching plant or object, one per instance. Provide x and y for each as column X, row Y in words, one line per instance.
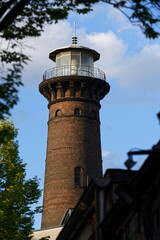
column 70, row 70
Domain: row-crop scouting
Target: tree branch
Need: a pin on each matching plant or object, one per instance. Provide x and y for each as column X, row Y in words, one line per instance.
column 5, row 7
column 12, row 14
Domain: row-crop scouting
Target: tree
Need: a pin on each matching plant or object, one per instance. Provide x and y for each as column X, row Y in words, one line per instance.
column 17, row 195
column 26, row 18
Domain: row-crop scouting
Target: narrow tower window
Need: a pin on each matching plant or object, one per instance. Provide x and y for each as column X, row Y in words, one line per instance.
column 93, row 114
column 77, row 112
column 78, row 178
column 58, row 113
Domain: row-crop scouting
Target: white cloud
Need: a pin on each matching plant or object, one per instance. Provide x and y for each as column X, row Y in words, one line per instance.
column 111, row 160
column 110, row 47
column 142, row 70
column 105, row 154
column 139, row 72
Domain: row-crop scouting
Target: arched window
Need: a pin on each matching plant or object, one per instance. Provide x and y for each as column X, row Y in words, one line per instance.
column 93, row 114
column 58, row 113
column 78, row 178
column 77, row 112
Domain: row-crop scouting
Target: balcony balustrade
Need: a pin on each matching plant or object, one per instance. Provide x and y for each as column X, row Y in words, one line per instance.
column 70, row 70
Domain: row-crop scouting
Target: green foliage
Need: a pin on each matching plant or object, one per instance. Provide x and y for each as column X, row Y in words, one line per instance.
column 20, row 19
column 16, row 193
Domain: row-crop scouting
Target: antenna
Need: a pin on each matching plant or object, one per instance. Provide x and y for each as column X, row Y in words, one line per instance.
column 74, row 29
column 74, row 39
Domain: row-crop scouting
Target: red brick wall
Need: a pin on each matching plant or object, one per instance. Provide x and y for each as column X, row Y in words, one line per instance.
column 72, row 141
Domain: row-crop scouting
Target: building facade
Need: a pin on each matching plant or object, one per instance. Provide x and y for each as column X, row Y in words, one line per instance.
column 124, row 205
column 73, row 89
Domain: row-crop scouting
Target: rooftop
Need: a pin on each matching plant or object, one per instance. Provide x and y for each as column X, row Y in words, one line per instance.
column 53, row 54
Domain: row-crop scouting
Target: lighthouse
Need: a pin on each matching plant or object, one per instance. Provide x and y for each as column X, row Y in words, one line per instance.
column 73, row 88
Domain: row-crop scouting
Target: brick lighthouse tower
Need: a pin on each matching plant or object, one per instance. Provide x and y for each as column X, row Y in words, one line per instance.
column 73, row 89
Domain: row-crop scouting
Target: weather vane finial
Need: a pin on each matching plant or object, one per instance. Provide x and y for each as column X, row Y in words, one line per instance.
column 74, row 39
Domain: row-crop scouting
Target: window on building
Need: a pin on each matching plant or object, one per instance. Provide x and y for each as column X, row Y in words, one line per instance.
column 93, row 114
column 78, row 179
column 63, row 64
column 58, row 113
column 77, row 112
column 63, row 59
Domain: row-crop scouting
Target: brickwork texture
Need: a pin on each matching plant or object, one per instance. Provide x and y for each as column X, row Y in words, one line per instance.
column 73, row 141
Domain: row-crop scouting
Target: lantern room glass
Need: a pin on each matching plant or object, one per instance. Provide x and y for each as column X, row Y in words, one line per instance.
column 74, row 63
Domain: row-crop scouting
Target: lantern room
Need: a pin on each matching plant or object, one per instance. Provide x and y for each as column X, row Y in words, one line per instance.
column 74, row 60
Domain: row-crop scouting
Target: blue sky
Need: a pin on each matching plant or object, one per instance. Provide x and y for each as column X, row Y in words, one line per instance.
column 128, row 113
